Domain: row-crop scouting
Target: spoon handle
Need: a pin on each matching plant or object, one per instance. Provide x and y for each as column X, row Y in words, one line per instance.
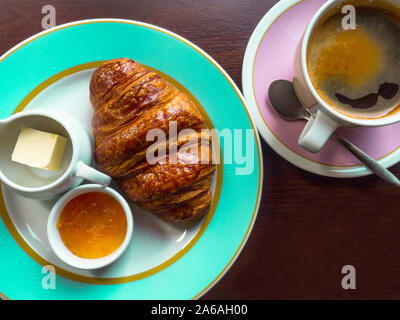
column 372, row 164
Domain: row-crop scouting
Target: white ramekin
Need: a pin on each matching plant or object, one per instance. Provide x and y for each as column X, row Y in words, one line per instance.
column 58, row 245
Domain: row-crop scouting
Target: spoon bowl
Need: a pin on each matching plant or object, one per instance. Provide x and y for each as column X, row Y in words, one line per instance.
column 284, row 100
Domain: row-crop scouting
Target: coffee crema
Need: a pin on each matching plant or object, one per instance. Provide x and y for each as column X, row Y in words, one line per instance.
column 357, row 71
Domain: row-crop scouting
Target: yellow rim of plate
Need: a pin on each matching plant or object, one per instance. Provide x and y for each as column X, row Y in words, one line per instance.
column 117, row 280
column 17, row 237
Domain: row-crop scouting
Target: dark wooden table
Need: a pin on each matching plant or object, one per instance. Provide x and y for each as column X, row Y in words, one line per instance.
column 308, row 226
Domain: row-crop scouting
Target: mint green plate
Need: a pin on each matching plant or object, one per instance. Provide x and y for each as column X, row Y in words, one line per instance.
column 52, row 70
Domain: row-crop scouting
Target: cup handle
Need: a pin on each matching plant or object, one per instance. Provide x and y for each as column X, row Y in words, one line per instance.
column 86, row 172
column 317, row 131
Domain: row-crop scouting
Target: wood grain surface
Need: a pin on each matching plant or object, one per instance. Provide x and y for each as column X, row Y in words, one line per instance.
column 308, row 226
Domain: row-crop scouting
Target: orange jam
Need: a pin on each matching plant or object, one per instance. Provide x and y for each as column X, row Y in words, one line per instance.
column 92, row 225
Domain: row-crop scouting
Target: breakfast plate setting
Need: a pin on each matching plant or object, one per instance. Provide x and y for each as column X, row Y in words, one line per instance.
column 271, row 55
column 133, row 169
column 83, row 215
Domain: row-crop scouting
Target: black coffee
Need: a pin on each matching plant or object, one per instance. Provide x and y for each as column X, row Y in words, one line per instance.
column 357, row 72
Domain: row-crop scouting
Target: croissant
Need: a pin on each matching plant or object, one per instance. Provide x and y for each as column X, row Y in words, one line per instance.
column 128, row 101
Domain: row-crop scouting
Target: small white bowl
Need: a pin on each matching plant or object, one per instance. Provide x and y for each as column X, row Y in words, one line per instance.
column 57, row 244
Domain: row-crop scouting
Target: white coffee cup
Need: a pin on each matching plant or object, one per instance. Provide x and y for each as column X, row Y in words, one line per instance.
column 326, row 119
column 41, row 184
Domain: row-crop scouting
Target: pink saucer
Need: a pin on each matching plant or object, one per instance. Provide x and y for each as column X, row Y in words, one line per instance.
column 269, row 56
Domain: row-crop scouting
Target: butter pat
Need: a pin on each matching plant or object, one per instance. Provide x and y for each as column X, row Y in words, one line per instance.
column 39, row 149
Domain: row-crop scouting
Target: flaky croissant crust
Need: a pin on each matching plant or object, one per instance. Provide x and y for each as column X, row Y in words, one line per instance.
column 128, row 101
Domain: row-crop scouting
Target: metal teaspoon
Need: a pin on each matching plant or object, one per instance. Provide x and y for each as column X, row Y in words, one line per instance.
column 285, row 101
